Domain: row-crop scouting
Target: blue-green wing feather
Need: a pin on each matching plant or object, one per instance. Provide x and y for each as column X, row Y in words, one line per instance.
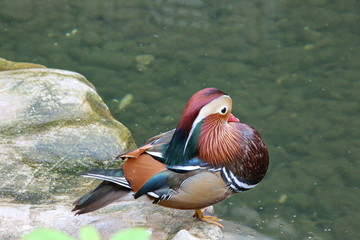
column 155, row 184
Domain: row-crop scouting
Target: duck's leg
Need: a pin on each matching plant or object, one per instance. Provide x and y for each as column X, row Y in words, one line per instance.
column 210, row 219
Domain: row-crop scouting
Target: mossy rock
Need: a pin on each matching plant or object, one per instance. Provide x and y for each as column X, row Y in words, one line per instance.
column 53, row 125
column 6, row 65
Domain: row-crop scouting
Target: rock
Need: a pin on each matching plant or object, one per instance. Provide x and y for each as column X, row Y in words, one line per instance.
column 6, row 65
column 16, row 220
column 53, row 125
column 184, row 235
column 144, row 59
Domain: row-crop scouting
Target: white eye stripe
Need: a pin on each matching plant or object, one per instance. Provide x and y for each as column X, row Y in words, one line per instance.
column 204, row 112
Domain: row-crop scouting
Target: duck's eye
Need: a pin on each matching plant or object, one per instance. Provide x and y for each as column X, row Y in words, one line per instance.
column 223, row 110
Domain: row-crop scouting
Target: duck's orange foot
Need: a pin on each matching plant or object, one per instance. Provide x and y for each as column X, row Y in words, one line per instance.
column 209, row 219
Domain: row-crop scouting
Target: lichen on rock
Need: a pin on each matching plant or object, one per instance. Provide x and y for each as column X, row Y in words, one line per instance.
column 6, row 65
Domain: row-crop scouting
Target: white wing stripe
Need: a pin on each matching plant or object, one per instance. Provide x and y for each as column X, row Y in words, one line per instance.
column 155, row 154
column 235, row 183
column 121, row 181
column 239, row 183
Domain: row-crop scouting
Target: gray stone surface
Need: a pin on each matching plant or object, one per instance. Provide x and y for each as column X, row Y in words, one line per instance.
column 16, row 219
column 53, row 125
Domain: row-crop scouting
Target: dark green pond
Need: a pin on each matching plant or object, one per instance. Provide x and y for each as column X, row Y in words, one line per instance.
column 292, row 69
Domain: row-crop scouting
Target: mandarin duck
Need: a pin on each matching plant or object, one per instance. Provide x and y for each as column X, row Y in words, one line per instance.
column 207, row 158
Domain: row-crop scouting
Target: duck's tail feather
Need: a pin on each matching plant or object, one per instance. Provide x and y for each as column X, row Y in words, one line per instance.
column 113, row 187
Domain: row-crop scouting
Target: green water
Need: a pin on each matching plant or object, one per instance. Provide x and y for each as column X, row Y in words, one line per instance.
column 292, row 69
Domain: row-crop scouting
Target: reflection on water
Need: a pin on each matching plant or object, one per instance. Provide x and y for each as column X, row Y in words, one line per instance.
column 291, row 68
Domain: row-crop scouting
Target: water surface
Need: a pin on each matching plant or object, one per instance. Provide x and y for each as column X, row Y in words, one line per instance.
column 291, row 68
